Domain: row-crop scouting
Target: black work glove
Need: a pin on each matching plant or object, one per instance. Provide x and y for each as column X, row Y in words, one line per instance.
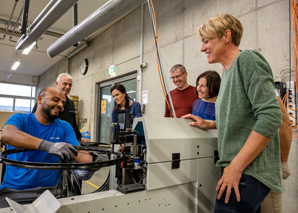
column 96, row 157
column 61, row 149
column 86, row 174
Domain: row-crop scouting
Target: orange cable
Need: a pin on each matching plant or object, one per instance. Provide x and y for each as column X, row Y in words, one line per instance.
column 295, row 37
column 158, row 65
column 295, row 51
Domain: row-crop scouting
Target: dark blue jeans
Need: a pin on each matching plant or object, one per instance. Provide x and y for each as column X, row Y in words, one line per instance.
column 252, row 193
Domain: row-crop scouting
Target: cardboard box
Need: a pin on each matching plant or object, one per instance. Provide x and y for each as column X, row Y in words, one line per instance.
column 4, row 117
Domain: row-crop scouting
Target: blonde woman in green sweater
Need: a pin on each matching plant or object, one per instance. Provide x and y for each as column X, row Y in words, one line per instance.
column 247, row 118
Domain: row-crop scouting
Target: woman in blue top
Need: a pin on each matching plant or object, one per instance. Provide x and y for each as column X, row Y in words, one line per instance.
column 207, row 85
column 123, row 101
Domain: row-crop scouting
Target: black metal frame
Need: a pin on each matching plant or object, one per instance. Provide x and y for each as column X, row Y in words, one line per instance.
column 25, row 16
column 58, row 166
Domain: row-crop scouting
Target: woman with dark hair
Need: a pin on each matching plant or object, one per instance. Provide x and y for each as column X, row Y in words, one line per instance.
column 123, row 101
column 207, row 87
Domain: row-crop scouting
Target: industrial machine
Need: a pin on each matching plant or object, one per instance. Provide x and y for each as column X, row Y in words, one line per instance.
column 166, row 166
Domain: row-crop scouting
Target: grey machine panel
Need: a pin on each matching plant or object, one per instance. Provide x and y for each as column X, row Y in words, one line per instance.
column 166, row 136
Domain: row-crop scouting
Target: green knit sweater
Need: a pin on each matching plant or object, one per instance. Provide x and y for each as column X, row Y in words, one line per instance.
column 246, row 102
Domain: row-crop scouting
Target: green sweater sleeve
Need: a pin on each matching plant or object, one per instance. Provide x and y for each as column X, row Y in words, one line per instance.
column 260, row 92
column 247, row 102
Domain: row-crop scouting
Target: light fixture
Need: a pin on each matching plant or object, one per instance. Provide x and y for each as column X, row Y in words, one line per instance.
column 28, row 49
column 15, row 65
column 7, row 76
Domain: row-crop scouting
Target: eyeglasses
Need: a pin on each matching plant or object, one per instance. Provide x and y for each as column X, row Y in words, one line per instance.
column 177, row 76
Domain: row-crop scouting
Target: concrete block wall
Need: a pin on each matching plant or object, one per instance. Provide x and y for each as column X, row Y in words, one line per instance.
column 266, row 29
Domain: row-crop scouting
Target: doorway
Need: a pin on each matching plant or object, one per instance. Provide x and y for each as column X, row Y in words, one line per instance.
column 106, row 104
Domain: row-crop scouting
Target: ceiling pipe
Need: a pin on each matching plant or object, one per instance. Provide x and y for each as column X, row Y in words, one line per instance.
column 83, row 45
column 53, row 14
column 42, row 13
column 101, row 17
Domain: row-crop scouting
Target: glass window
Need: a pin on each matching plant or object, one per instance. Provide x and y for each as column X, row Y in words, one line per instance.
column 15, row 97
column 23, row 105
column 105, row 114
column 17, row 90
column 6, row 104
column 107, row 103
column 32, row 104
column 130, row 86
column 33, row 91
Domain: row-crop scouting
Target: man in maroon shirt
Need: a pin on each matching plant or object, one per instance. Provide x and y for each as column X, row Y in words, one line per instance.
column 184, row 95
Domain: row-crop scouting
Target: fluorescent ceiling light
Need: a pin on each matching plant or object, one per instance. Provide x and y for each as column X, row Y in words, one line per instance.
column 15, row 65
column 7, row 76
column 28, row 49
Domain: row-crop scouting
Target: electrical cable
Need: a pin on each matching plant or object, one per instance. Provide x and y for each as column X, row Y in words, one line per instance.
column 159, row 63
column 293, row 22
column 288, row 107
column 295, row 38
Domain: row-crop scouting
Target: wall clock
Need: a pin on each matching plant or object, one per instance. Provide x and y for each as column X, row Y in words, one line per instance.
column 84, row 66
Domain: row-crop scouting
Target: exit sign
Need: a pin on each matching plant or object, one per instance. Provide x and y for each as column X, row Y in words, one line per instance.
column 112, row 70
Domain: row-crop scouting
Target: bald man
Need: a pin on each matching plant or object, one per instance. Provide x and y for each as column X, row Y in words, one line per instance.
column 50, row 137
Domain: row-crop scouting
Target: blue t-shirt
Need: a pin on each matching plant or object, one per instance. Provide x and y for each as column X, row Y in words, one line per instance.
column 22, row 178
column 204, row 109
column 134, row 111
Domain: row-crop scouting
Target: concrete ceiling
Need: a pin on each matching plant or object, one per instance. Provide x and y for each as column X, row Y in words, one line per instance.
column 37, row 61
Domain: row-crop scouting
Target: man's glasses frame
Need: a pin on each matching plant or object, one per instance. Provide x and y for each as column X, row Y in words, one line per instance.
column 177, row 76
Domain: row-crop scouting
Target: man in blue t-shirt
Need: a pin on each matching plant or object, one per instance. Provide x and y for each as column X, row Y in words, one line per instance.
column 50, row 137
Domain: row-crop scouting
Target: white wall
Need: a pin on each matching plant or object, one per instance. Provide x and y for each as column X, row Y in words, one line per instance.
column 19, row 79
column 266, row 29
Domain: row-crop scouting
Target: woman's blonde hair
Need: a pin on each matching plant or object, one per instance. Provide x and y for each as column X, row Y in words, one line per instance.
column 216, row 26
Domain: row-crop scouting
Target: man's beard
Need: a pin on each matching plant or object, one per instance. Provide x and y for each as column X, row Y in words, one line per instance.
column 47, row 110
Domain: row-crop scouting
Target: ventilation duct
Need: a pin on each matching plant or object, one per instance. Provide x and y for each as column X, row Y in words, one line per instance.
column 101, row 17
column 43, row 13
column 52, row 12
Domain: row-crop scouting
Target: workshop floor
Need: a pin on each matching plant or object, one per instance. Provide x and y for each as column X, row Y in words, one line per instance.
column 96, row 181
